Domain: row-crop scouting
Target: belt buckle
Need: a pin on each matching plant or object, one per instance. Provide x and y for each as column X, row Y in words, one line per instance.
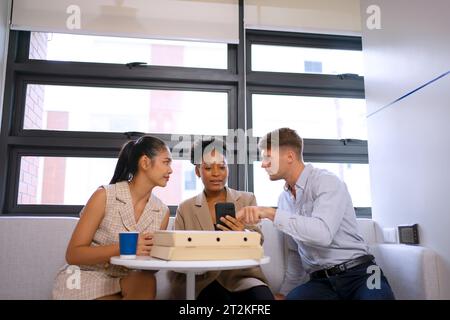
column 341, row 269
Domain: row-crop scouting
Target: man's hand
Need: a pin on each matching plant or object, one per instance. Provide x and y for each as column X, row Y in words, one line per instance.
column 253, row 214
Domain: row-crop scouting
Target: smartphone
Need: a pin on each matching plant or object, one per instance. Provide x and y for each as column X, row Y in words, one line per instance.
column 224, row 209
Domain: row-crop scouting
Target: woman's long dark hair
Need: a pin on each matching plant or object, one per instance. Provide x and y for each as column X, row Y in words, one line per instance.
column 131, row 152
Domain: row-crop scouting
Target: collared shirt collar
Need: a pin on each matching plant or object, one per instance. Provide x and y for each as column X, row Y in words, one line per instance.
column 301, row 181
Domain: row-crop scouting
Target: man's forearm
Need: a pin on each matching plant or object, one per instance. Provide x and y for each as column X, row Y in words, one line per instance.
column 268, row 213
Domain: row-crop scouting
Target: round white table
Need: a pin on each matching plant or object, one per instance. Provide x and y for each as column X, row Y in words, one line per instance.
column 190, row 268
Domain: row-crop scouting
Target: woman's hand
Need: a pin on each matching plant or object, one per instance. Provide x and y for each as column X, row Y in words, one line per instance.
column 232, row 223
column 145, row 244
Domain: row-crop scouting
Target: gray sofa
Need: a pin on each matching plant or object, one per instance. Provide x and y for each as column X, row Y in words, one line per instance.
column 32, row 249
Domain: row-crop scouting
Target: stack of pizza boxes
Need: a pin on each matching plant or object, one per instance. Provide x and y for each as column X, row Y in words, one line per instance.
column 206, row 245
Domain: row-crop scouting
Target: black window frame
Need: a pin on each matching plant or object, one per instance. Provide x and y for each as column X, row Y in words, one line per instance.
column 238, row 80
column 306, row 84
column 16, row 141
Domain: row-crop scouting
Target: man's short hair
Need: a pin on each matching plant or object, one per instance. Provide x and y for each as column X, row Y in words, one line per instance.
column 286, row 138
column 200, row 146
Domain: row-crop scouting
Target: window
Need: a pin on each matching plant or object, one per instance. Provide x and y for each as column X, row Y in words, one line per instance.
column 313, row 66
column 313, row 84
column 313, row 117
column 72, row 180
column 190, row 180
column 71, row 103
column 70, row 108
column 81, row 48
column 61, row 180
column 306, row 60
column 355, row 175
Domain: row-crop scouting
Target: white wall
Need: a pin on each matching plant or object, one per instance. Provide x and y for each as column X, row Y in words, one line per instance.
column 409, row 140
column 413, row 45
column 4, row 20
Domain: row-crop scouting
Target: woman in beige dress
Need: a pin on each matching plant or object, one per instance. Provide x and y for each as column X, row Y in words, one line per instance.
column 126, row 204
column 198, row 213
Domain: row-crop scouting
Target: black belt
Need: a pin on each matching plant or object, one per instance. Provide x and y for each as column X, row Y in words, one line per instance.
column 341, row 268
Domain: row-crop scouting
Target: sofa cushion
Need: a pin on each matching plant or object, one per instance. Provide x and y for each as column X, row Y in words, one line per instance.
column 32, row 251
column 367, row 229
column 412, row 271
column 274, row 247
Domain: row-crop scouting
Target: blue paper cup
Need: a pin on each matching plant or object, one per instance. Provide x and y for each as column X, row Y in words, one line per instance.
column 128, row 244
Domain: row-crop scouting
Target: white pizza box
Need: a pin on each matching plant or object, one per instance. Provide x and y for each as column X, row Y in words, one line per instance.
column 206, row 253
column 196, row 238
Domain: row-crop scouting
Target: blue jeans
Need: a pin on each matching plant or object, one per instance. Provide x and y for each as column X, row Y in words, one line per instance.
column 354, row 284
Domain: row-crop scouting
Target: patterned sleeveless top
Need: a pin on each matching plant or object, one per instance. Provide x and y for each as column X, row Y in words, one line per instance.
column 104, row 279
column 119, row 215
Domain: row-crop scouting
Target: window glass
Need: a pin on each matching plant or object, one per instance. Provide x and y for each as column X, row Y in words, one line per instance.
column 83, row 48
column 70, row 108
column 72, row 180
column 312, row 117
column 272, row 58
column 356, row 177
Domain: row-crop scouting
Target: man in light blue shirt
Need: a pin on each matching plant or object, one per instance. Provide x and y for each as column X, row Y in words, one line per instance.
column 315, row 209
